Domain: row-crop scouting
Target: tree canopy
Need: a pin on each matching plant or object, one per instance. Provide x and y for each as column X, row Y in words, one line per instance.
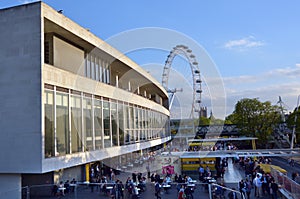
column 255, row 118
column 293, row 120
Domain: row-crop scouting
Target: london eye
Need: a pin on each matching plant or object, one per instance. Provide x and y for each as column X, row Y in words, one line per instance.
column 184, row 51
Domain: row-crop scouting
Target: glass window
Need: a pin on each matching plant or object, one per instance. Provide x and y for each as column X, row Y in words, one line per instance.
column 49, row 123
column 107, row 73
column 104, row 72
column 106, row 121
column 131, row 123
column 97, row 68
column 143, row 129
column 114, row 123
column 127, row 124
column 100, row 70
column 98, row 123
column 76, row 124
column 88, row 66
column 93, row 73
column 87, row 123
column 121, row 124
column 62, row 124
column 136, row 124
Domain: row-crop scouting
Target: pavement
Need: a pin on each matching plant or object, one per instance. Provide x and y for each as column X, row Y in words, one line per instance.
column 231, row 178
column 233, row 175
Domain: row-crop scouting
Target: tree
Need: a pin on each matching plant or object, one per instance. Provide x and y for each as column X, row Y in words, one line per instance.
column 255, row 118
column 291, row 122
column 204, row 121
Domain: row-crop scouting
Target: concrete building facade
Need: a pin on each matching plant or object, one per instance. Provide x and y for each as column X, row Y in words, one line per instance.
column 69, row 99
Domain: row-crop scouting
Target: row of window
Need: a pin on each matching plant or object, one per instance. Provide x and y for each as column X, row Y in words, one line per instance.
column 77, row 122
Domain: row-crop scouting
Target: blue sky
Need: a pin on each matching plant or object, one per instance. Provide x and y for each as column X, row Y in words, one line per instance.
column 255, row 44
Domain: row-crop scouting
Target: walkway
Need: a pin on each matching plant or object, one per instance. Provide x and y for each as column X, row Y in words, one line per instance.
column 232, row 174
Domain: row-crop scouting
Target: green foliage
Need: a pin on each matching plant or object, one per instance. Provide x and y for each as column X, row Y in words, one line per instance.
column 204, row 121
column 291, row 122
column 255, row 118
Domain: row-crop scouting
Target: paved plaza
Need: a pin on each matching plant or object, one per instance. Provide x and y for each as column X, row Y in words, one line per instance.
column 233, row 175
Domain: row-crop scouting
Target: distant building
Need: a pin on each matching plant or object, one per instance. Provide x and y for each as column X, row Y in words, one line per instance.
column 203, row 112
column 68, row 99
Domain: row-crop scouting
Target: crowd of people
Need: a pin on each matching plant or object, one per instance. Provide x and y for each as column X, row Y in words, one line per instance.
column 257, row 179
column 63, row 187
column 212, row 147
column 184, row 184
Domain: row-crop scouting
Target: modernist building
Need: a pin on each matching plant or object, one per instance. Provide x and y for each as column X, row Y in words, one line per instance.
column 69, row 99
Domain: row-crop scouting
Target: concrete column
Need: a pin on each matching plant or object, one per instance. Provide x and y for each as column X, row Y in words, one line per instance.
column 10, row 186
column 117, row 81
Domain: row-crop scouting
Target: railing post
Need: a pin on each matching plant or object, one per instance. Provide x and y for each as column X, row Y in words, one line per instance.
column 75, row 191
column 209, row 191
column 27, row 192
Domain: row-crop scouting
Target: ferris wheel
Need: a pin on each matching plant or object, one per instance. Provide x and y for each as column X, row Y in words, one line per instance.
column 183, row 50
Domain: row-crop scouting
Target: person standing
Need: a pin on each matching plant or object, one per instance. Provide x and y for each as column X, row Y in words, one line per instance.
column 242, row 187
column 265, row 184
column 148, row 170
column 135, row 192
column 232, row 194
column 112, row 175
column 257, row 185
column 274, row 189
column 248, row 188
column 134, row 177
column 201, row 173
column 181, row 194
column 157, row 190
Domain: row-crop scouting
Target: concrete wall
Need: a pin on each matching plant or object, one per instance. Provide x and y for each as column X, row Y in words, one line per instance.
column 55, row 76
column 69, row 173
column 20, row 89
column 10, row 186
column 68, row 57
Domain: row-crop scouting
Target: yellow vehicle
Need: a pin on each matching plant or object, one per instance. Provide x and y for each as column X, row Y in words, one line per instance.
column 193, row 164
column 267, row 168
column 191, row 161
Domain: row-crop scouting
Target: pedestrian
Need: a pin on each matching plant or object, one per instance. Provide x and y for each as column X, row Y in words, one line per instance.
column 157, row 190
column 232, row 194
column 265, row 184
column 248, row 188
column 135, row 192
column 148, row 170
column 113, row 192
column 242, row 187
column 120, row 189
column 257, row 185
column 181, row 194
column 274, row 189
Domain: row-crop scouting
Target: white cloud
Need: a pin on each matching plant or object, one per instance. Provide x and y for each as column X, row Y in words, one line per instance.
column 276, row 74
column 266, row 86
column 243, row 44
column 239, row 79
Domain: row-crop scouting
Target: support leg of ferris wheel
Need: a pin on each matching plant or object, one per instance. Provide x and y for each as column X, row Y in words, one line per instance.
column 173, row 92
column 294, row 128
